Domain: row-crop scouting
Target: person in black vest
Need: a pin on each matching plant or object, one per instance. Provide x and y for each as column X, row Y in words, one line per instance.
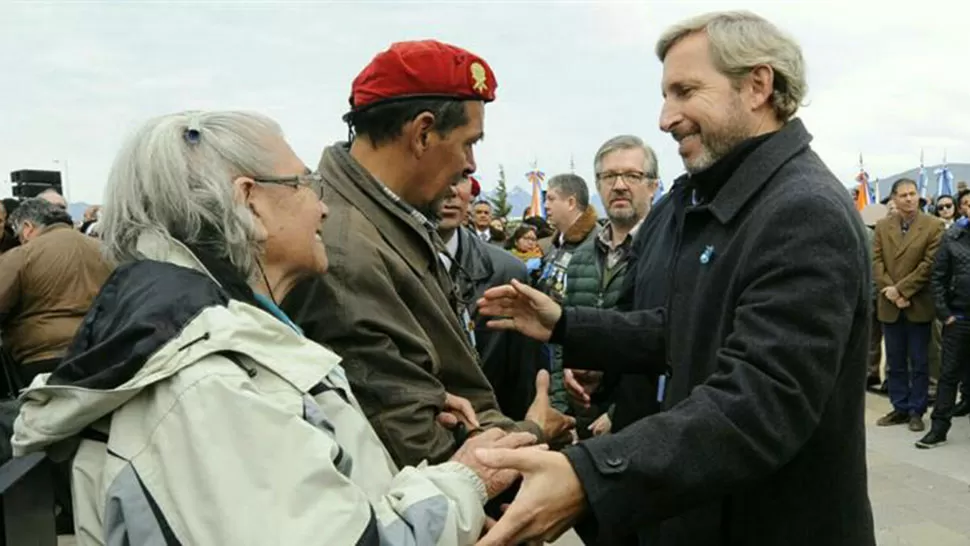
column 764, row 330
column 567, row 203
column 626, row 177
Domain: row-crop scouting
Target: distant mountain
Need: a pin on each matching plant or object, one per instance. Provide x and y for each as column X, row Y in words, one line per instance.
column 961, row 172
column 520, row 199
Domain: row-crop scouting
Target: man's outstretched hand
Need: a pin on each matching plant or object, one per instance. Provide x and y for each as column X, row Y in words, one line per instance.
column 548, row 503
column 522, row 308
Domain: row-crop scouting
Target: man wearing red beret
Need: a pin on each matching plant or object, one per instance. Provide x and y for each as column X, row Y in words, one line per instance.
column 388, row 305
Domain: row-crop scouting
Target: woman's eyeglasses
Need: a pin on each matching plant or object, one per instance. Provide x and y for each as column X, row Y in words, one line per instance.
column 308, row 179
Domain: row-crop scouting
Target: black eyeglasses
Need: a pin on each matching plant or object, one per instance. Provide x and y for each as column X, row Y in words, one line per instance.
column 630, row 177
column 308, row 179
column 945, row 206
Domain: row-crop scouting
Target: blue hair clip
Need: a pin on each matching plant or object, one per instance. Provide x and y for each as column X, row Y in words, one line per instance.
column 192, row 133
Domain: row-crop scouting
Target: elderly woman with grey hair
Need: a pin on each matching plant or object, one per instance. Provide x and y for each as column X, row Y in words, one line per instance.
column 195, row 410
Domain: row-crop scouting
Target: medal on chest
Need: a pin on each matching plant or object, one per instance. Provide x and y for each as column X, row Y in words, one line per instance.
column 469, row 325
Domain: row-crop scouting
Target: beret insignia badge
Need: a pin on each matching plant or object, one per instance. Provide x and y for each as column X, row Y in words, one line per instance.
column 479, row 78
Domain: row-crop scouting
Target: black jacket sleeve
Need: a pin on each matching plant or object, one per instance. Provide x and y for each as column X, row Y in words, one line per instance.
column 940, row 280
column 803, row 296
column 635, row 340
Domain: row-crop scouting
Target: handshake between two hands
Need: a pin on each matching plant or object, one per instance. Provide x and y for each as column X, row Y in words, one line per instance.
column 500, row 458
column 551, row 498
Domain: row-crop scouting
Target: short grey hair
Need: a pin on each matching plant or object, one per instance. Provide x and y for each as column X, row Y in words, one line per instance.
column 39, row 212
column 627, row 142
column 49, row 191
column 740, row 41
column 173, row 178
column 62, row 202
column 571, row 185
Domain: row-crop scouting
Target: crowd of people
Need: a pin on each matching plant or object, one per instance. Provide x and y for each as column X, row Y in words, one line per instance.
column 920, row 296
column 240, row 349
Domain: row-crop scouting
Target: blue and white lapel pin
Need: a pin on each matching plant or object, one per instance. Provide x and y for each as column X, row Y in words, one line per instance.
column 708, row 254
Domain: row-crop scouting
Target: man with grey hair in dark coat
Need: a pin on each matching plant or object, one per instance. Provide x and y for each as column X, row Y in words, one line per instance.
column 760, row 256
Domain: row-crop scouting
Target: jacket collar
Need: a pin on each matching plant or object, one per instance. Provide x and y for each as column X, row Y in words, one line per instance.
column 405, row 233
column 52, row 228
column 757, row 169
column 605, row 237
column 580, row 229
column 920, row 223
column 165, row 249
column 471, row 255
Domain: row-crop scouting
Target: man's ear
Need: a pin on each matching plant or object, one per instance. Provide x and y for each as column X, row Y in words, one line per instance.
column 419, row 132
column 761, row 83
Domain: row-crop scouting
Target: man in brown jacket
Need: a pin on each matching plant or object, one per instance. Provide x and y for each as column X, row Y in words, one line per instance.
column 387, row 305
column 904, row 248
column 46, row 286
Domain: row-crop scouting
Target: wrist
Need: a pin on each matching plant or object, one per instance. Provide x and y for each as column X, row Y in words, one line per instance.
column 531, row 426
column 471, row 476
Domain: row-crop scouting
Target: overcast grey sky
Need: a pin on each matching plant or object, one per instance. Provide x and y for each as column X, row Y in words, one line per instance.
column 886, row 78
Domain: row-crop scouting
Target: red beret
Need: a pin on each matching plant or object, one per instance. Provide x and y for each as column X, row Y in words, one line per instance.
column 427, row 68
column 476, row 187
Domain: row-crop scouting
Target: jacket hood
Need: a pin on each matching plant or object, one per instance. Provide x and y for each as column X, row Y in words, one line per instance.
column 150, row 320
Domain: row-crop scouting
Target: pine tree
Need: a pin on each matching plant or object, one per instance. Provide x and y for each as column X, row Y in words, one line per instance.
column 500, row 202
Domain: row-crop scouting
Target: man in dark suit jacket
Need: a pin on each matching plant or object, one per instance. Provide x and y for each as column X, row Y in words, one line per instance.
column 904, row 248
column 764, row 332
column 509, row 359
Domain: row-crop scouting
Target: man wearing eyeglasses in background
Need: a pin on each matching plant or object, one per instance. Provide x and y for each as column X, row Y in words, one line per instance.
column 626, row 178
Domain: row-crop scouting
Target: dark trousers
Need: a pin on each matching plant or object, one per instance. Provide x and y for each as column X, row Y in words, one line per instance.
column 965, row 384
column 955, row 365
column 909, row 382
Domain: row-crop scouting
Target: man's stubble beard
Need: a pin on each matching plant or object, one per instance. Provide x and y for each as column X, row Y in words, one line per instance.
column 715, row 145
column 626, row 218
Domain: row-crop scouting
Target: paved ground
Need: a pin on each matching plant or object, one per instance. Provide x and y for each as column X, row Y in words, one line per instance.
column 919, row 497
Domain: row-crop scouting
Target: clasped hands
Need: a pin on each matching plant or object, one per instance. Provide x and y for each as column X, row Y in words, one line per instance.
column 892, row 294
column 500, row 458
